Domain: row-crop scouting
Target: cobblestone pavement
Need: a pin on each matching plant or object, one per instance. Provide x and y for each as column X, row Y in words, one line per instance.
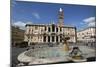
column 14, row 54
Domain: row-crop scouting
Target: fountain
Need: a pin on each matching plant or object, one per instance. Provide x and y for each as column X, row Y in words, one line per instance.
column 62, row 52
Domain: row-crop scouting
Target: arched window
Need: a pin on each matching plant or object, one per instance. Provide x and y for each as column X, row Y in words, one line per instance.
column 52, row 38
column 60, row 29
column 36, row 27
column 60, row 38
column 44, row 39
column 48, row 29
column 53, row 28
column 45, row 28
column 48, row 38
column 56, row 38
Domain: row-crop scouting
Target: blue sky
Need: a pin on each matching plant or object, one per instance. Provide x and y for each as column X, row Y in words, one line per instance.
column 44, row 13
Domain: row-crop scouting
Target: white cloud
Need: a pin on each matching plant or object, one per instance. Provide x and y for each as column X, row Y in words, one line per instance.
column 90, row 21
column 36, row 15
column 20, row 24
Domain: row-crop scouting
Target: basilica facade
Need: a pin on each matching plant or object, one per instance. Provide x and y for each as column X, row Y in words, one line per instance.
column 50, row 33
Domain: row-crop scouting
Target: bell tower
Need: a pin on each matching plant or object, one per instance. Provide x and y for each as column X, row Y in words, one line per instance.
column 61, row 17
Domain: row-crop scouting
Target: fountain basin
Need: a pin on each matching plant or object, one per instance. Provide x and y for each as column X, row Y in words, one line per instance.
column 53, row 55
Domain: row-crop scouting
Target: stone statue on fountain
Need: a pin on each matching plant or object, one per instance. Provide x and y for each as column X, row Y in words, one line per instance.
column 76, row 53
column 65, row 43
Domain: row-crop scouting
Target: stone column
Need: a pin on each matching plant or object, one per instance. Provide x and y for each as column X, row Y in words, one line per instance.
column 55, row 38
column 50, row 38
column 55, row 29
column 58, row 38
column 51, row 28
column 46, row 39
column 42, row 38
column 58, row 29
column 46, row 28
